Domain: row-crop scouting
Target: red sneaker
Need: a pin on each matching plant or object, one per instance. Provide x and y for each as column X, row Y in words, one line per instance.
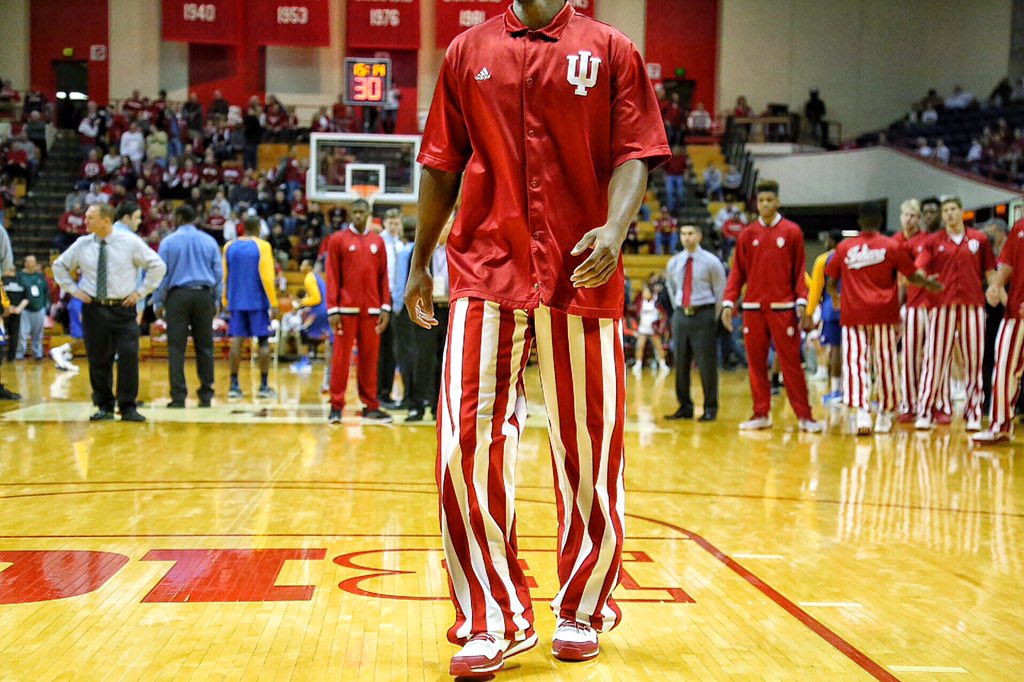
column 906, row 418
column 941, row 418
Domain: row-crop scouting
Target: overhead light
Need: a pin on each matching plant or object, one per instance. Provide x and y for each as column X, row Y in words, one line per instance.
column 62, row 95
column 79, row 96
column 850, row 233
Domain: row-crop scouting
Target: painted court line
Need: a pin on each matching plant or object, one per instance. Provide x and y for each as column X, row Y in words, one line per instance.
column 765, row 557
column 925, row 669
column 832, row 604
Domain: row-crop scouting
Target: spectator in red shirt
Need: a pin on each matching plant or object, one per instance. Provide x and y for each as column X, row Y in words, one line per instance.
column 868, row 266
column 675, row 178
column 190, row 175
column 133, row 106
column 770, row 261
column 276, row 123
column 71, row 226
column 674, row 117
column 321, row 122
column 963, row 260
column 296, row 223
column 90, row 171
column 209, row 175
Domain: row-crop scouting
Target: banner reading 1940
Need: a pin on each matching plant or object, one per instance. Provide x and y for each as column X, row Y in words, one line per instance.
column 455, row 16
column 383, row 24
column 215, row 21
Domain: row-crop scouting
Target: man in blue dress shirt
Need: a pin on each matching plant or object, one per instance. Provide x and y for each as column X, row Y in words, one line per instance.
column 187, row 300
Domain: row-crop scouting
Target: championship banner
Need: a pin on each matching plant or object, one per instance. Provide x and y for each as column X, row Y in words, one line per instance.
column 297, row 23
column 455, row 16
column 218, row 21
column 383, row 24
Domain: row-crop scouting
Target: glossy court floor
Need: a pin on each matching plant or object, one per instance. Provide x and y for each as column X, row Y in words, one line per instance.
column 254, row 542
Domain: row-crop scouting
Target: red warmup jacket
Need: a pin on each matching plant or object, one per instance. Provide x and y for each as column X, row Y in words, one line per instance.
column 356, row 269
column 770, row 261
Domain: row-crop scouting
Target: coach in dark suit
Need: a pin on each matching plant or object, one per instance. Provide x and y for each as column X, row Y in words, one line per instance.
column 187, row 300
column 109, row 261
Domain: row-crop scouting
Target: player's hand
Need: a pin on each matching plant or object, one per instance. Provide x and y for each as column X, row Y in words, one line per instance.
column 161, row 313
column 995, row 295
column 419, row 301
column 806, row 323
column 82, row 296
column 335, row 322
column 601, row 264
column 727, row 319
column 275, row 313
column 382, row 322
column 837, row 303
column 130, row 300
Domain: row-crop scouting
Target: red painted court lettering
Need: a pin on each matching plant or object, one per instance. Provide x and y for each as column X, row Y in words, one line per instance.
column 39, row 575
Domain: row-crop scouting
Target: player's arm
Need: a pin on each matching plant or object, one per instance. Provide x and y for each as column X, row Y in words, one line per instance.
column 817, row 286
column 800, row 283
column 625, row 192
column 718, row 284
column 385, row 291
column 734, row 285
column 439, row 190
column 831, row 271
column 267, row 274
column 224, row 287
column 312, row 291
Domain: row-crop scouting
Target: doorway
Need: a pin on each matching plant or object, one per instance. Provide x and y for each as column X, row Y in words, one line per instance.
column 72, row 85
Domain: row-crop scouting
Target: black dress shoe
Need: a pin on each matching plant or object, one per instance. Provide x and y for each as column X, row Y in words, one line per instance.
column 204, row 403
column 415, row 416
column 132, row 416
column 176, row 404
column 390, row 405
column 708, row 417
column 101, row 416
column 681, row 413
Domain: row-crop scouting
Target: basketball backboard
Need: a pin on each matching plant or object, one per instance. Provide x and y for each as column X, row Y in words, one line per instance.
column 345, row 167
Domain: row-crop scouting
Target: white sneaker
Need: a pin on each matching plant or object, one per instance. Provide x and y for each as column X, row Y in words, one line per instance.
column 991, row 437
column 883, row 423
column 811, row 426
column 59, row 357
column 663, row 368
column 756, row 424
column 486, row 654
column 958, row 390
column 574, row 641
column 638, row 368
column 973, row 425
column 923, row 424
column 863, row 422
column 821, row 374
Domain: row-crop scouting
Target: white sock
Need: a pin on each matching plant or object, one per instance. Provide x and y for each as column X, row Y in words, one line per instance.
column 836, row 384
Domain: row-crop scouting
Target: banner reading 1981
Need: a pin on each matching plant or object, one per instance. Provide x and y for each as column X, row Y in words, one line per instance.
column 455, row 16
column 383, row 24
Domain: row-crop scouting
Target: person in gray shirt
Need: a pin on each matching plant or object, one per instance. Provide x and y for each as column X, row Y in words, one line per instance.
column 109, row 261
column 696, row 282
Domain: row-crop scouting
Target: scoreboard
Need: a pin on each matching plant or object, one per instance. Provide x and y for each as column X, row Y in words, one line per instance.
column 367, row 81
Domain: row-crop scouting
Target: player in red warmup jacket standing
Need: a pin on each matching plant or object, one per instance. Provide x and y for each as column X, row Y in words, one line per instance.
column 1009, row 364
column 770, row 261
column 549, row 122
column 867, row 266
column 963, row 260
column 358, row 308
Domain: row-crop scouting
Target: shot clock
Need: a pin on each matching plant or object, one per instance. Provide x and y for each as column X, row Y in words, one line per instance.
column 367, row 81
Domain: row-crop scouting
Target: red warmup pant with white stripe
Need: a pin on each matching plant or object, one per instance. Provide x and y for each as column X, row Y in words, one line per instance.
column 963, row 325
column 868, row 348
column 358, row 330
column 915, row 338
column 482, row 415
column 760, row 329
column 1007, row 373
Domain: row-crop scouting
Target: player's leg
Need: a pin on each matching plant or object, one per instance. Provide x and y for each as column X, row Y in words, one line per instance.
column 482, row 413
column 367, row 369
column 1006, row 376
column 915, row 332
column 340, row 361
column 935, row 368
column 785, row 331
column 239, row 330
column 972, row 348
column 756, row 341
column 582, row 376
column 855, row 375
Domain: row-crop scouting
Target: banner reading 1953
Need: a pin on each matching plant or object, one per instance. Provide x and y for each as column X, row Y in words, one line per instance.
column 455, row 16
column 300, row 23
column 383, row 24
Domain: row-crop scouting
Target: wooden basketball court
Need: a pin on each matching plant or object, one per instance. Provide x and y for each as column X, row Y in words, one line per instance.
column 252, row 541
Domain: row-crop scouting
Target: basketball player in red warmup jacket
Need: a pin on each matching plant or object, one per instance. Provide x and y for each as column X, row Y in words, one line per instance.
column 770, row 261
column 549, row 122
column 963, row 260
column 1009, row 364
column 358, row 306
column 915, row 318
column 867, row 266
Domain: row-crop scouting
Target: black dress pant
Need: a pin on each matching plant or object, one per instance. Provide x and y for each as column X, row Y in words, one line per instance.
column 694, row 337
column 190, row 312
column 13, row 326
column 386, row 362
column 110, row 331
column 416, row 350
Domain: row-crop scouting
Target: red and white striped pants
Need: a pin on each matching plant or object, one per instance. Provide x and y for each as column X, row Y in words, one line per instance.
column 915, row 338
column 1009, row 367
column 868, row 348
column 963, row 325
column 482, row 415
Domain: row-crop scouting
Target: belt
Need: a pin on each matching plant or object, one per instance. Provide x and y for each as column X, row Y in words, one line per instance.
column 692, row 310
column 194, row 287
column 109, row 302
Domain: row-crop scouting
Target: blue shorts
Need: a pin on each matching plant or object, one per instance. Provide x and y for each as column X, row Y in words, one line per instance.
column 249, row 323
column 831, row 333
column 75, row 318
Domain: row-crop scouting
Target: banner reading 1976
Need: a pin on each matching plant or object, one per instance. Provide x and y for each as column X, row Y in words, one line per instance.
column 383, row 24
column 455, row 16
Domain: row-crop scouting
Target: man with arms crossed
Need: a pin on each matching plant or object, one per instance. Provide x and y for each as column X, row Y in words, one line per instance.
column 550, row 123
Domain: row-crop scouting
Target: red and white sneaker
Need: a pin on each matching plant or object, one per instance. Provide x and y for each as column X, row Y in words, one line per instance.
column 485, row 655
column 991, row 437
column 906, row 418
column 574, row 641
column 941, row 418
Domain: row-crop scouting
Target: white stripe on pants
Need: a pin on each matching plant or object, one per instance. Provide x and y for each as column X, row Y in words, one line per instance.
column 915, row 338
column 963, row 325
column 1009, row 366
column 867, row 350
column 482, row 414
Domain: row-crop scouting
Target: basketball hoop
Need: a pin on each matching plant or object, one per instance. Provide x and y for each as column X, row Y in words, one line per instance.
column 367, row 192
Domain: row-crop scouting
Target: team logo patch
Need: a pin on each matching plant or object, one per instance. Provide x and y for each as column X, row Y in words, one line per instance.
column 373, row 249
column 790, row 331
column 352, row 247
column 942, row 249
column 973, row 245
column 484, row 75
column 781, row 241
column 746, row 330
column 582, row 72
column 757, row 242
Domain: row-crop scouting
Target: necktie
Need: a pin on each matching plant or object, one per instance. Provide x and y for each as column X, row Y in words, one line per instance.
column 101, row 272
column 688, row 282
